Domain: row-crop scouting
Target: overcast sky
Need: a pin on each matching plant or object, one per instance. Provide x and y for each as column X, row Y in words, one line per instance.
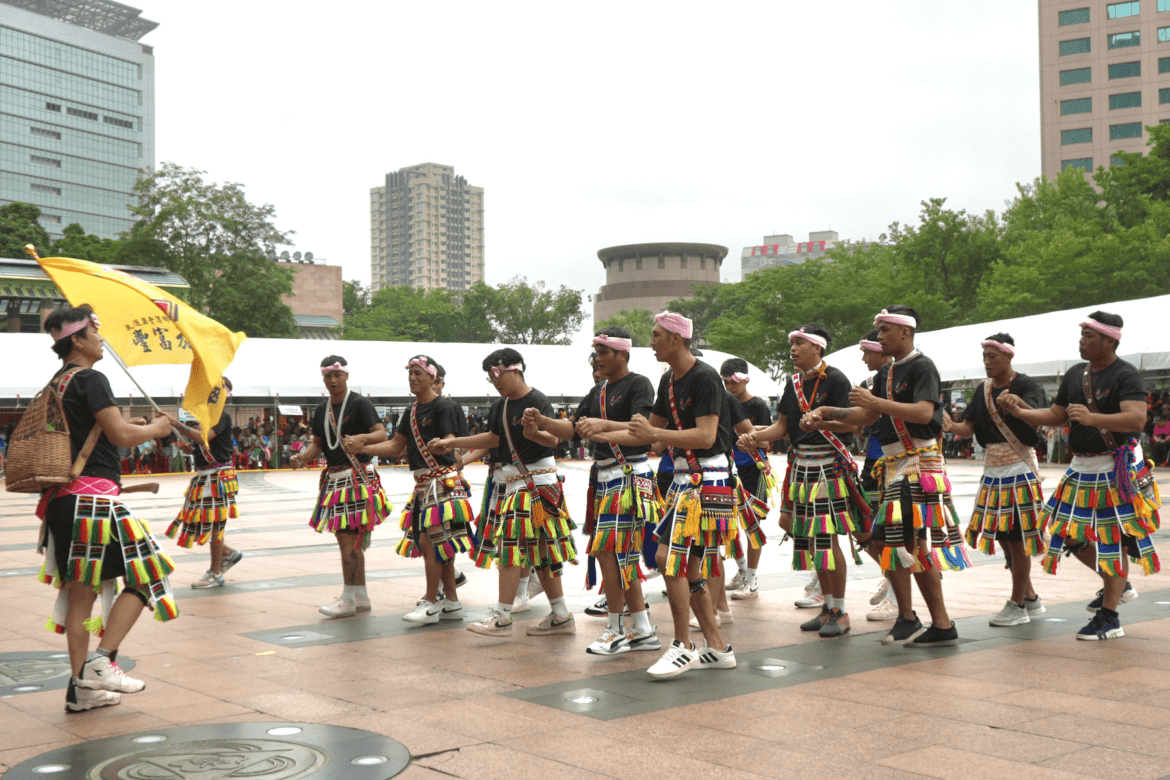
column 595, row 124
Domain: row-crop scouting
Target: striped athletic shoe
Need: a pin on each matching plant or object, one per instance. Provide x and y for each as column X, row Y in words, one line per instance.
column 676, row 660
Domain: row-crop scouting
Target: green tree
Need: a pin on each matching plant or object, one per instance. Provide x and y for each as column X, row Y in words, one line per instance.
column 407, row 314
column 79, row 245
column 703, row 307
column 517, row 312
column 638, row 321
column 18, row 227
column 355, row 297
column 215, row 239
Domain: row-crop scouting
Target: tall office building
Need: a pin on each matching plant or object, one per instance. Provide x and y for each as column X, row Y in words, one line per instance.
column 1104, row 76
column 76, row 110
column 426, row 230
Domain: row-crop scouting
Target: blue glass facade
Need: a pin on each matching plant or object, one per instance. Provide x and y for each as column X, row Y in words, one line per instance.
column 76, row 119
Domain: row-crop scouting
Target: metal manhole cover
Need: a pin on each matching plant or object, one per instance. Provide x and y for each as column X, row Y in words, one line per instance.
column 38, row 671
column 256, row 751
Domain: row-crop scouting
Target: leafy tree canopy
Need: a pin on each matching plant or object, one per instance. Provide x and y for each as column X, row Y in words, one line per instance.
column 517, row 312
column 18, row 227
column 407, row 314
column 639, row 321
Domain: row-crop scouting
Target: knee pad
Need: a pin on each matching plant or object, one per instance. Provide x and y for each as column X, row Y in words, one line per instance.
column 1075, row 549
column 698, row 585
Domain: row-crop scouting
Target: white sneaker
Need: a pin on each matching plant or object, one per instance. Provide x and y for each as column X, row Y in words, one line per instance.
column 362, row 603
column 813, row 598
column 102, row 674
column 521, row 603
column 737, row 581
column 882, row 593
column 884, row 611
column 1012, row 614
column 342, row 607
column 423, row 613
column 611, row 642
column 450, row 610
column 649, row 641
column 78, row 699
column 495, row 624
column 724, row 618
column 745, row 592
column 694, row 624
column 676, row 660
column 710, row 658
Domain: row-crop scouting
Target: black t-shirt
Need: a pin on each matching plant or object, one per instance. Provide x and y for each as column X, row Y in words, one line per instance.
column 1118, row 382
column 221, row 445
column 833, row 390
column 986, row 431
column 87, row 394
column 530, row 451
column 360, row 416
column 435, row 420
column 914, row 381
column 460, row 417
column 758, row 411
column 698, row 393
column 625, row 397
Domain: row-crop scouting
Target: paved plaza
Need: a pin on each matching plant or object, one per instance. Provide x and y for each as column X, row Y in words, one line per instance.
column 1024, row 702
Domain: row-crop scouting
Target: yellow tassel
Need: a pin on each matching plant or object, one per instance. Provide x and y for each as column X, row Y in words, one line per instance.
column 692, row 508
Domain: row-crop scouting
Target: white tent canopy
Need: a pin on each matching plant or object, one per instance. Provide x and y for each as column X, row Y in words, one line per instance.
column 288, row 369
column 1046, row 344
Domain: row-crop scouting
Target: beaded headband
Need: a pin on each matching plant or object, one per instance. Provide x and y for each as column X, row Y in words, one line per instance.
column 896, row 319
column 616, row 343
column 1100, row 327
column 811, row 338
column 1001, row 346
column 335, row 367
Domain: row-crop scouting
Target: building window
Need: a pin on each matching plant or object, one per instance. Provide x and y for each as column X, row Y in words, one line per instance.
column 1128, row 130
column 1084, row 163
column 1078, row 106
column 1122, row 40
column 1077, row 76
column 1083, row 135
column 1164, row 96
column 682, row 262
column 1164, row 65
column 1076, row 16
column 83, row 114
column 45, row 160
column 1163, row 5
column 1075, row 46
column 53, row 107
column 1125, row 70
column 43, row 133
column 1163, row 34
column 45, row 189
column 662, row 262
column 1125, row 100
column 110, row 120
column 638, row 264
column 54, row 218
column 1122, row 10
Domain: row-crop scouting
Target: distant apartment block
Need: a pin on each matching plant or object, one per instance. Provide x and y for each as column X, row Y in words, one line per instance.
column 426, row 230
column 781, row 250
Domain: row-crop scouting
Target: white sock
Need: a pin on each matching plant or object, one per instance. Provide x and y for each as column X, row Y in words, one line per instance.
column 742, row 564
column 505, row 610
column 360, row 590
column 522, row 589
column 457, row 572
column 347, row 592
column 642, row 622
column 750, row 577
column 559, row 607
column 615, row 620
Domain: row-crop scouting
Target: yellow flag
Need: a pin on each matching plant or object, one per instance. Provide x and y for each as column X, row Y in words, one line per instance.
column 146, row 325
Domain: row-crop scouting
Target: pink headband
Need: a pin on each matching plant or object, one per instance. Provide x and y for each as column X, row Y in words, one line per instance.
column 738, row 377
column 1001, row 346
column 811, row 338
column 896, row 319
column 76, row 327
column 421, row 362
column 1102, row 328
column 614, row 342
column 335, row 367
column 872, row 346
column 497, row 370
column 675, row 323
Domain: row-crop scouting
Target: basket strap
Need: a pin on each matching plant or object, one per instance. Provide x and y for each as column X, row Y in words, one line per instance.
column 86, row 450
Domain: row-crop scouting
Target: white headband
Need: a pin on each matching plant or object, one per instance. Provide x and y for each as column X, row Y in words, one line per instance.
column 335, row 367
column 896, row 319
column 811, row 338
column 1001, row 346
column 616, row 343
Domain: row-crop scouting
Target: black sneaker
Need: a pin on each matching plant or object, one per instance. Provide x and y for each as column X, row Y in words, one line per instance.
column 1104, row 625
column 903, row 631
column 600, row 609
column 1127, row 595
column 817, row 623
column 461, row 580
column 937, row 637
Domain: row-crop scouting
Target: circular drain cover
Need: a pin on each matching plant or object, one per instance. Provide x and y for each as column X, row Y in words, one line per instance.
column 257, row 751
column 39, row 671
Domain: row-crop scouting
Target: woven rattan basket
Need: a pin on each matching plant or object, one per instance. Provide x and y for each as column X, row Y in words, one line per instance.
column 39, row 455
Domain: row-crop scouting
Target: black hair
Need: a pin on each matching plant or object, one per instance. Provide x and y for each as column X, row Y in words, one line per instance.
column 592, row 357
column 898, row 308
column 440, row 371
column 617, row 331
column 227, row 383
column 817, row 330
column 871, row 335
column 733, row 366
column 504, row 357
column 1002, row 338
column 1105, row 318
column 430, row 361
column 334, row 359
column 59, row 318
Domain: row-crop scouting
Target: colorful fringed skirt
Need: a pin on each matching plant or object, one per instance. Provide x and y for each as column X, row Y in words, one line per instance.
column 1008, row 504
column 752, row 491
column 916, row 519
column 209, row 502
column 346, row 503
column 90, row 536
column 534, row 528
column 817, row 493
column 624, row 503
column 487, row 524
column 440, row 507
column 1093, row 503
column 700, row 514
